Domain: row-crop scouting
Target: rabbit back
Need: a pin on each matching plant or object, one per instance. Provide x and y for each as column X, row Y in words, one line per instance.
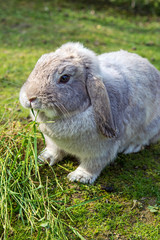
column 133, row 85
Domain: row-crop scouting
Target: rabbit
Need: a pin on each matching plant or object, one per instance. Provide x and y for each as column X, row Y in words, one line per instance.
column 93, row 106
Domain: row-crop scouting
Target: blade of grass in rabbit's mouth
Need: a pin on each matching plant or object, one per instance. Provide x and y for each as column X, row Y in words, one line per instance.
column 36, row 115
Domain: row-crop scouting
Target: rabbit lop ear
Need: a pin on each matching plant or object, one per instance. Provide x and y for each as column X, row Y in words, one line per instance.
column 101, row 105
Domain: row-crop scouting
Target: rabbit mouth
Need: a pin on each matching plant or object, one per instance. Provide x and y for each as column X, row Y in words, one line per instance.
column 51, row 111
column 34, row 103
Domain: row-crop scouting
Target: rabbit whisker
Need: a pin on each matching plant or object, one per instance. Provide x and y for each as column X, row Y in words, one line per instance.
column 63, row 109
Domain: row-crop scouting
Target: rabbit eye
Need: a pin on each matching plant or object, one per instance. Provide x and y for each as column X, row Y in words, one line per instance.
column 64, row 79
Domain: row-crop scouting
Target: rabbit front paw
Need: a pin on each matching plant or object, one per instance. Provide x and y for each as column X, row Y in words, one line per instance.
column 81, row 175
column 47, row 156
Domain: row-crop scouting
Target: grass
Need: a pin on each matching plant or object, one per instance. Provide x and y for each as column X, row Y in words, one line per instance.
column 37, row 201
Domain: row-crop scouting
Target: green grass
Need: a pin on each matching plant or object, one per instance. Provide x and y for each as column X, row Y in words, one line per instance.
column 37, row 201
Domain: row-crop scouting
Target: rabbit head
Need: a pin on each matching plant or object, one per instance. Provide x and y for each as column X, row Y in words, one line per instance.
column 66, row 82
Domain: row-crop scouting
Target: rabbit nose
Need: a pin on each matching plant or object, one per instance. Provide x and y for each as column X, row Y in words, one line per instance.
column 31, row 99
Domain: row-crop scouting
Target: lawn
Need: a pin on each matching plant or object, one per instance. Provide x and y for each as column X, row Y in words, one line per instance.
column 38, row 201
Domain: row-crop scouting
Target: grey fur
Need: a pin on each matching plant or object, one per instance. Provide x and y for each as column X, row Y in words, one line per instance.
column 111, row 104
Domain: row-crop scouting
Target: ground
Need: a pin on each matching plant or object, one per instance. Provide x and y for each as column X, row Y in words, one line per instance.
column 37, row 201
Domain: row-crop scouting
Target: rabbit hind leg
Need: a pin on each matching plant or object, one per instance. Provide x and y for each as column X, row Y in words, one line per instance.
column 155, row 139
column 133, row 149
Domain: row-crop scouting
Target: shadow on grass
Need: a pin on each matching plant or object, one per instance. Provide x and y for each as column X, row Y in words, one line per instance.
column 136, row 176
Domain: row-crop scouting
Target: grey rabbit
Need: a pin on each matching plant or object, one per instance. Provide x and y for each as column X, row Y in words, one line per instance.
column 93, row 107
